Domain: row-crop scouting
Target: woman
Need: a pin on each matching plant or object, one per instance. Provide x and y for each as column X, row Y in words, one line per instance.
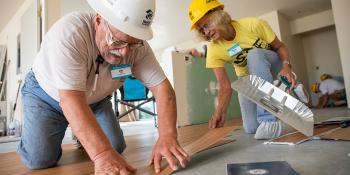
column 253, row 48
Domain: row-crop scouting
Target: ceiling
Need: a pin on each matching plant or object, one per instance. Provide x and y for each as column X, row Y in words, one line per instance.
column 171, row 15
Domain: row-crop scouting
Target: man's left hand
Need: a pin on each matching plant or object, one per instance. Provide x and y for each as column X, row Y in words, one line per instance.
column 169, row 148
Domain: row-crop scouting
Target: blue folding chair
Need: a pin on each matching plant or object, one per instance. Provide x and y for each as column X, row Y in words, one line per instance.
column 133, row 91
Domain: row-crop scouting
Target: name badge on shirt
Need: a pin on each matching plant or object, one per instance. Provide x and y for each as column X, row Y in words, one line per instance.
column 121, row 71
column 234, row 50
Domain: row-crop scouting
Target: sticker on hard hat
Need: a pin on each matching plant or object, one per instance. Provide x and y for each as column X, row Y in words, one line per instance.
column 148, row 18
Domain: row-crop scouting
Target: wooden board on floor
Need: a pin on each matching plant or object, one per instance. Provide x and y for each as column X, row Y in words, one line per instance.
column 74, row 162
column 206, row 141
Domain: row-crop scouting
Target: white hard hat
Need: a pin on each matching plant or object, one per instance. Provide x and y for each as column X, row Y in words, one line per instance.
column 133, row 17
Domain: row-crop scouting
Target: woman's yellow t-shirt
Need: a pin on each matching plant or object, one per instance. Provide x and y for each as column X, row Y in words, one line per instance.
column 250, row 33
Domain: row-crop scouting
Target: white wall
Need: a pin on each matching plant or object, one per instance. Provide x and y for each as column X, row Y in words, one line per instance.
column 322, row 55
column 296, row 52
column 51, row 14
column 8, row 36
column 312, row 22
column 272, row 19
column 55, row 9
column 341, row 13
column 30, row 37
column 68, row 6
column 321, row 51
column 280, row 25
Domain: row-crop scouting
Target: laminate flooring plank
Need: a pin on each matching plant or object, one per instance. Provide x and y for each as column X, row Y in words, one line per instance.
column 206, row 141
column 337, row 134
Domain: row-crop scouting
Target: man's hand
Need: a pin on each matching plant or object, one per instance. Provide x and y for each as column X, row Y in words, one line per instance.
column 286, row 71
column 90, row 134
column 217, row 120
column 169, row 148
column 167, row 145
column 110, row 162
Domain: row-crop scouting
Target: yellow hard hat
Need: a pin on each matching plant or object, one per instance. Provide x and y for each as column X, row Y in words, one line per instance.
column 325, row 77
column 198, row 8
column 314, row 87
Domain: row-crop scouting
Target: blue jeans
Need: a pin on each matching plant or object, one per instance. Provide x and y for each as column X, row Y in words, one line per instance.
column 45, row 125
column 265, row 64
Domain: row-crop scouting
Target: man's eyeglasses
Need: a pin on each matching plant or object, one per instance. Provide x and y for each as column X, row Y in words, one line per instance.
column 119, row 43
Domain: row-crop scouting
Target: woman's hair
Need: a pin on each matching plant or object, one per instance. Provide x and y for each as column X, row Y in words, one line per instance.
column 218, row 18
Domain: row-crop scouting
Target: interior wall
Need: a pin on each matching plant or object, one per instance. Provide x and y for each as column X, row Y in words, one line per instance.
column 55, row 9
column 68, row 6
column 8, row 37
column 295, row 49
column 341, row 15
column 52, row 13
column 312, row 22
column 321, row 50
column 272, row 19
column 319, row 56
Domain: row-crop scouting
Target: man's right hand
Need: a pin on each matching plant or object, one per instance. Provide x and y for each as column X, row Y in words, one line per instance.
column 111, row 163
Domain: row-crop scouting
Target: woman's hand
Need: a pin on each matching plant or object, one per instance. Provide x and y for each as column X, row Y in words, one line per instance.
column 287, row 72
